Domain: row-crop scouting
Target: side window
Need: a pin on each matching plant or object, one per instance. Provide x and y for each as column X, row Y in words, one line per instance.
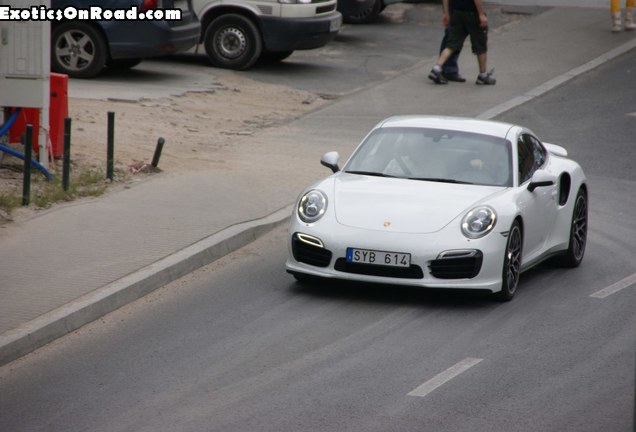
column 524, row 152
column 531, row 155
column 538, row 151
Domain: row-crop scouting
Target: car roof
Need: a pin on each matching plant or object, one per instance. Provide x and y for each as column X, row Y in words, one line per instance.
column 463, row 124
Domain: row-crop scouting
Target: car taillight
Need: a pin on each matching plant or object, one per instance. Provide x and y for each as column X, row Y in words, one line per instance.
column 149, row 4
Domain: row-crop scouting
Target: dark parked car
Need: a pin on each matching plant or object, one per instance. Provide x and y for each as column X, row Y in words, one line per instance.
column 82, row 48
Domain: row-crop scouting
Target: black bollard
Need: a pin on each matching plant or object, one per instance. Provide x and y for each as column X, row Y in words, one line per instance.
column 158, row 149
column 28, row 154
column 66, row 157
column 110, row 157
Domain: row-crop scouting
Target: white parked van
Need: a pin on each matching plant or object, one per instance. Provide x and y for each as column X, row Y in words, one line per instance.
column 236, row 33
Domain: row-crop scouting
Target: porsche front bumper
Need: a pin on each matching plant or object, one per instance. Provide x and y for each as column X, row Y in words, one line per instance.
column 444, row 259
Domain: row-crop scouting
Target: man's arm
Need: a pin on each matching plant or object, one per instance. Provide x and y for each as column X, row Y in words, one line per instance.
column 445, row 17
column 483, row 19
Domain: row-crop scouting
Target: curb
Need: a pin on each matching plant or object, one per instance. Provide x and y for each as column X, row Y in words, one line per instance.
column 90, row 307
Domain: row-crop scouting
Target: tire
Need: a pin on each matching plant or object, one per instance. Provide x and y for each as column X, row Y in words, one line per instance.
column 578, row 233
column 123, row 64
column 366, row 16
column 511, row 264
column 233, row 42
column 78, row 50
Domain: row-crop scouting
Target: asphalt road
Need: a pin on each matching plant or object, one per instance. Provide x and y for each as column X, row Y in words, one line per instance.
column 239, row 346
column 361, row 55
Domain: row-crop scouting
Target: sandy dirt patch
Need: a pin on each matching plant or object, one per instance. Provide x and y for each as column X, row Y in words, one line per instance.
column 196, row 127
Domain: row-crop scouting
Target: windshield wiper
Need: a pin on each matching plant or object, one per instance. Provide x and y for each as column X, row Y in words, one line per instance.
column 370, row 173
column 440, row 180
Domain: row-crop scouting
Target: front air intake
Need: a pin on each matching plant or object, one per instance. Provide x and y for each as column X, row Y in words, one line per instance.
column 310, row 251
column 457, row 264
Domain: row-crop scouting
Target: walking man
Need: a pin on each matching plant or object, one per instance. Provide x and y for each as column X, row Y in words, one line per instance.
column 465, row 18
column 450, row 69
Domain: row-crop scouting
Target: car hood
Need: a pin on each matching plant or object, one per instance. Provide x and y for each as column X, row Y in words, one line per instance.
column 402, row 205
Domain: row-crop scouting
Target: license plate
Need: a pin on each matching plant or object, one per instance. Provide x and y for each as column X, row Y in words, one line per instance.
column 375, row 257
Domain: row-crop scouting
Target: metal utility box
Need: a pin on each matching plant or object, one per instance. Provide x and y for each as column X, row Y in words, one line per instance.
column 25, row 58
column 25, row 64
column 58, row 111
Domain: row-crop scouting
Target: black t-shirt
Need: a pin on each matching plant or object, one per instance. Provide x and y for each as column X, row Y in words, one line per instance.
column 462, row 5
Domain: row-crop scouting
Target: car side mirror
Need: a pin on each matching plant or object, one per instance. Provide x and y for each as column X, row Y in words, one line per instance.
column 541, row 178
column 330, row 160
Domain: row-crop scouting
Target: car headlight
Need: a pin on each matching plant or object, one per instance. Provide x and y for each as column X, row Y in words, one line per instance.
column 312, row 206
column 478, row 222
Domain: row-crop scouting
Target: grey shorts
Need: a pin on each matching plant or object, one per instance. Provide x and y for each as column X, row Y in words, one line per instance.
column 463, row 24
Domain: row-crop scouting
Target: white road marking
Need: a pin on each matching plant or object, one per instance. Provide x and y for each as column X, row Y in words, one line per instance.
column 614, row 288
column 553, row 83
column 444, row 377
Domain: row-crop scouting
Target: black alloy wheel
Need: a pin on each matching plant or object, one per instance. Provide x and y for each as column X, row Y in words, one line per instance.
column 511, row 264
column 578, row 232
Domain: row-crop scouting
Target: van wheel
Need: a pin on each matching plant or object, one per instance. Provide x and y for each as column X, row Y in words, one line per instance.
column 77, row 50
column 233, row 42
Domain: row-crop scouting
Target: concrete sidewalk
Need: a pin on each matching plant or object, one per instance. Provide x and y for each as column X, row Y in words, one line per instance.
column 75, row 263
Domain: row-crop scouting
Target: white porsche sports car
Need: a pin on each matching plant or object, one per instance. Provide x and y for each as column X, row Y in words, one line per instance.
column 442, row 202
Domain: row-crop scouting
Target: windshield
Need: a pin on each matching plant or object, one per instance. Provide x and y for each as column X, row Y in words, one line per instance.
column 434, row 155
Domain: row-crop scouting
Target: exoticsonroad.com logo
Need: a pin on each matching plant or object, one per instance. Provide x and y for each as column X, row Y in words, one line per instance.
column 97, row 13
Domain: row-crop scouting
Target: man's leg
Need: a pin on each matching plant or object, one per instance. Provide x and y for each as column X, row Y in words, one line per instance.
column 479, row 43
column 455, row 37
column 450, row 69
column 615, row 11
column 484, row 78
column 482, row 60
column 436, row 73
column 629, row 15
